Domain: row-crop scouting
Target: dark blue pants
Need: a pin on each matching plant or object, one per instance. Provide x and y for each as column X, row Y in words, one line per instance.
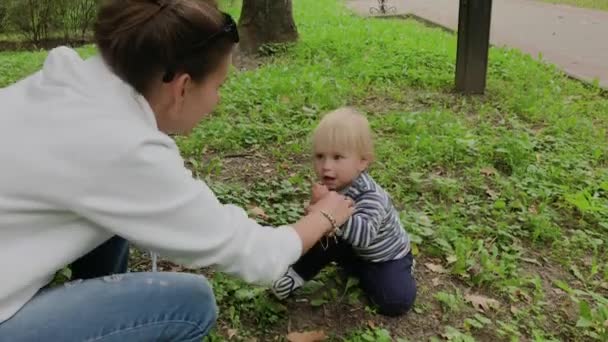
column 389, row 285
column 111, row 257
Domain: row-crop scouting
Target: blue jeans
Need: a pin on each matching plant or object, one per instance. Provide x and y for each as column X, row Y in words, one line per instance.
column 106, row 304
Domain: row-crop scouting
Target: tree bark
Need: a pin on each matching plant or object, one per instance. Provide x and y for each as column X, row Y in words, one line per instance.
column 266, row 21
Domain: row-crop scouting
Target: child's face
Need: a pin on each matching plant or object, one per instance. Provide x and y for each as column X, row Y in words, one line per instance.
column 337, row 169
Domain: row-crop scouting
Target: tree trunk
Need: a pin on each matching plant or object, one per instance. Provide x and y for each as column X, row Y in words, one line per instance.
column 266, row 21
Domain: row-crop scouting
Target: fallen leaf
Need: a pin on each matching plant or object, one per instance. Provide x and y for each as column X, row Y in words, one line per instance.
column 460, row 199
column 604, row 285
column 533, row 209
column 371, row 324
column 523, row 295
column 514, row 310
column 577, row 273
column 482, row 303
column 492, row 194
column 531, row 261
column 258, row 212
column 488, row 171
column 474, row 270
column 177, row 268
column 606, row 323
column 587, row 261
column 231, row 333
column 435, row 268
column 435, row 282
column 309, row 336
column 559, row 292
column 451, row 259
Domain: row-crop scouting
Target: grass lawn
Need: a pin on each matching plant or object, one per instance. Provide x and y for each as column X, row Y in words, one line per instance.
column 595, row 4
column 505, row 195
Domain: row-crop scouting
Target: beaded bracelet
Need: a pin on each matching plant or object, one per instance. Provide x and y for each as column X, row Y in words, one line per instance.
column 334, row 224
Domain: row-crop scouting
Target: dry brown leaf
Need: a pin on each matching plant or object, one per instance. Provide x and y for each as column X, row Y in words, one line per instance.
column 460, row 199
column 559, row 292
column 435, row 268
column 531, row 261
column 587, row 261
column 231, row 333
column 488, row 171
column 258, row 212
column 523, row 295
column 533, row 209
column 492, row 194
column 451, row 259
column 474, row 270
column 482, row 303
column 308, row 336
column 371, row 324
column 435, row 282
column 604, row 285
column 514, row 310
column 606, row 323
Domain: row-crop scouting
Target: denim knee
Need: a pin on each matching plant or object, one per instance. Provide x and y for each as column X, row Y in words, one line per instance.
column 198, row 298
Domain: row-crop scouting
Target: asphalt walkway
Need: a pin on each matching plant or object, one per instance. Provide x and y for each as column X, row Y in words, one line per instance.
column 574, row 39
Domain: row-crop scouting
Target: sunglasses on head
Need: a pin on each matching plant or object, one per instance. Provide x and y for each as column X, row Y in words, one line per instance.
column 229, row 29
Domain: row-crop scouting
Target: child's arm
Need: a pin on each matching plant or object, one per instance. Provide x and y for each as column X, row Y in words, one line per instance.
column 362, row 227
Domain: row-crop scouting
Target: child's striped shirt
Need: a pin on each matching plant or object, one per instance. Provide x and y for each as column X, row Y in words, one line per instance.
column 374, row 230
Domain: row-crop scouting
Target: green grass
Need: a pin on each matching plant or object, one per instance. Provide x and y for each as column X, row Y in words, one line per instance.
column 489, row 186
column 595, row 4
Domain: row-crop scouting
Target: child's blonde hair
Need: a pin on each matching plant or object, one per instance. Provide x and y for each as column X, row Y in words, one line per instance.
column 344, row 129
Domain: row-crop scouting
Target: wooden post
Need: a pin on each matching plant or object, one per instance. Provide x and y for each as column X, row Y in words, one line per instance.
column 474, row 17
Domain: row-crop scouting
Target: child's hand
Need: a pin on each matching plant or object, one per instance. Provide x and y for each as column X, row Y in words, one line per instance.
column 318, row 191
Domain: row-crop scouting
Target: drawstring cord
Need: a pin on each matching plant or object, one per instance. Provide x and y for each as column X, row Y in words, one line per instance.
column 154, row 260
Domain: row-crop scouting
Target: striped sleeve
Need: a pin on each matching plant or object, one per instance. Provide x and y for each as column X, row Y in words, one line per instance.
column 363, row 226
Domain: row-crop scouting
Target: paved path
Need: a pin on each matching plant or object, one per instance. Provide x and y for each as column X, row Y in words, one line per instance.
column 574, row 39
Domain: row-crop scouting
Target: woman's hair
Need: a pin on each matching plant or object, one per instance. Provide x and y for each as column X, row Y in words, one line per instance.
column 344, row 129
column 142, row 40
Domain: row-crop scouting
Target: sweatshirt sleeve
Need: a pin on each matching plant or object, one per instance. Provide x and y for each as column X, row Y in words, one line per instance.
column 148, row 197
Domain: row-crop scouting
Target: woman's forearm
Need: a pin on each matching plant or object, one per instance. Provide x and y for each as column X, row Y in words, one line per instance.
column 311, row 228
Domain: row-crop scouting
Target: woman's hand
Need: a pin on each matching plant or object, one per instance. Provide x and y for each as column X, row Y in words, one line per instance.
column 340, row 207
column 315, row 225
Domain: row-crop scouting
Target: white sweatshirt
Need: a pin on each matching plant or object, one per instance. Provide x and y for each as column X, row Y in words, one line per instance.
column 81, row 160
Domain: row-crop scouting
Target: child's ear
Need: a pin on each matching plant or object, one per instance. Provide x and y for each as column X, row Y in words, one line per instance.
column 363, row 164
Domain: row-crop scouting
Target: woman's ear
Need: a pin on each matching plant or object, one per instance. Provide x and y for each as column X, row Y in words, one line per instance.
column 179, row 88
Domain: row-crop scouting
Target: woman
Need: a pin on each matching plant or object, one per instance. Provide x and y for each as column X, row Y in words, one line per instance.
column 88, row 163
